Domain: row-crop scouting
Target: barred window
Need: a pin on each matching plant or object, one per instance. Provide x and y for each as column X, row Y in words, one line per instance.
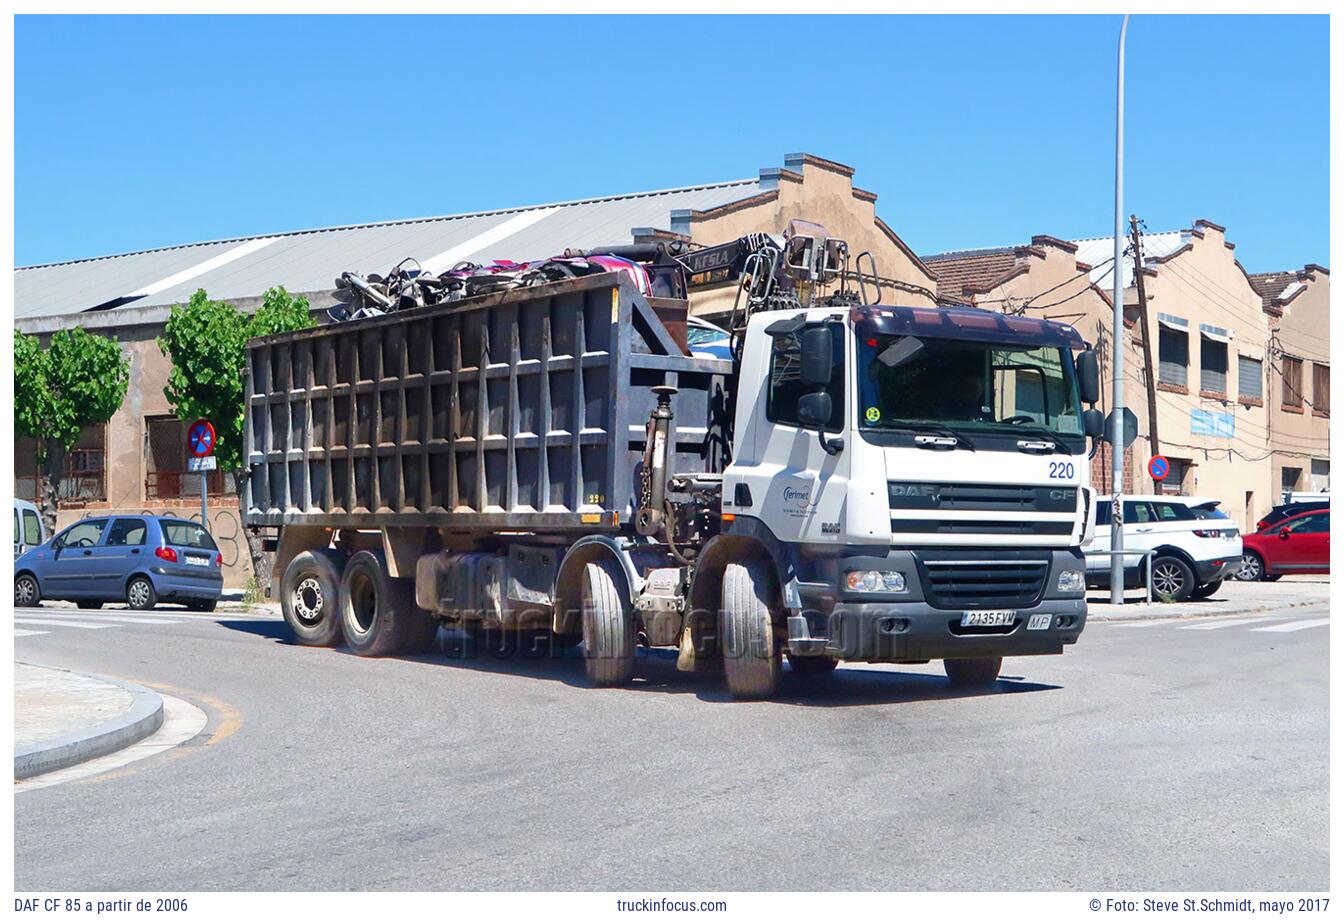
column 1212, row 365
column 1173, row 356
column 1250, row 378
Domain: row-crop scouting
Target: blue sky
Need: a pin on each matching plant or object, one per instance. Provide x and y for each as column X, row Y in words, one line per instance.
column 134, row 132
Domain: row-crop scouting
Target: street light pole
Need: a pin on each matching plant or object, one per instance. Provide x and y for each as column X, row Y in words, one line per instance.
column 1118, row 336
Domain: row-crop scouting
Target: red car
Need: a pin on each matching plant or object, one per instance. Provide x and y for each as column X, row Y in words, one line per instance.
column 1296, row 546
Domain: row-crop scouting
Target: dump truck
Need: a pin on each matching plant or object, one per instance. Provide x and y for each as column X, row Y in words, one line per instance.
column 858, row 482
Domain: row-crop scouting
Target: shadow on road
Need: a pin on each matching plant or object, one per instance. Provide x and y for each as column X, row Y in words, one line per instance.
column 656, row 672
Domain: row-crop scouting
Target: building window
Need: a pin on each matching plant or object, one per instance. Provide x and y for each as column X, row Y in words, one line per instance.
column 1320, row 388
column 83, row 473
column 1320, row 475
column 166, row 475
column 1212, row 363
column 1289, row 477
column 1292, row 382
column 1250, row 378
column 1173, row 356
column 1175, row 483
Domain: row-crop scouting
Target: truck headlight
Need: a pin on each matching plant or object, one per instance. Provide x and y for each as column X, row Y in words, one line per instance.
column 869, row 582
column 1071, row 581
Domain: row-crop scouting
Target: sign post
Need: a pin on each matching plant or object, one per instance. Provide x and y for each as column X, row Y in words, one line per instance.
column 201, row 446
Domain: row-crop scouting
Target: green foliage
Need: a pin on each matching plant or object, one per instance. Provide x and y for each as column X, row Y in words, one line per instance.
column 206, row 340
column 77, row 381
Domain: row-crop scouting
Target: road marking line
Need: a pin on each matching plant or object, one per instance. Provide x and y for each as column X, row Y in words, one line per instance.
column 1293, row 626
column 30, row 632
column 1139, row 624
column 76, row 624
column 1224, row 624
column 182, row 721
column 114, row 619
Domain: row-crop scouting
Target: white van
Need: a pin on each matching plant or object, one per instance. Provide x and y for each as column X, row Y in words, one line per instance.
column 29, row 530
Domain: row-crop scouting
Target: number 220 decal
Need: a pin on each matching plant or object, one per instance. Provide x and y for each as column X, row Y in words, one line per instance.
column 1061, row 470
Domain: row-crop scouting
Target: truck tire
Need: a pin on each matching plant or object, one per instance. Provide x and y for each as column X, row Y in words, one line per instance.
column 375, row 607
column 310, row 597
column 812, row 666
column 751, row 648
column 608, row 624
column 422, row 629
column 972, row 672
column 1172, row 579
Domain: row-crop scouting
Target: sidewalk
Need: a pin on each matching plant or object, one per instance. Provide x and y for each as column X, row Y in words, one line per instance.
column 1233, row 598
column 62, row 718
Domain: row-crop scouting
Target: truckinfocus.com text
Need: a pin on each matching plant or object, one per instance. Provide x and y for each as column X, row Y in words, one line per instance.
column 657, row 905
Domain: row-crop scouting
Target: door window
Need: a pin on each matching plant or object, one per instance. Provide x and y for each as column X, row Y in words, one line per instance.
column 786, row 379
column 127, row 532
column 1310, row 523
column 85, row 533
column 1138, row 513
column 32, row 528
column 1169, row 511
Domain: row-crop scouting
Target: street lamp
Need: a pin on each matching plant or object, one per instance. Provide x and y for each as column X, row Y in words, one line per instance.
column 1118, row 336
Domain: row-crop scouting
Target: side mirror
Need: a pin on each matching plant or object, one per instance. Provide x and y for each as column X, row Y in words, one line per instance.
column 814, row 409
column 1283, row 534
column 815, row 348
column 1094, row 423
column 1089, row 376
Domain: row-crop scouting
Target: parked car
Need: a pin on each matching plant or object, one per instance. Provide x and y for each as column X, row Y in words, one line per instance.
column 1299, row 545
column 1206, row 509
column 1292, row 509
column 139, row 559
column 29, row 531
column 707, row 340
column 1192, row 554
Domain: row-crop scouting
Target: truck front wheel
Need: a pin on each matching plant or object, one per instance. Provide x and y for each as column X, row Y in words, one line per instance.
column 608, row 625
column 310, row 597
column 972, row 672
column 751, row 648
column 375, row 607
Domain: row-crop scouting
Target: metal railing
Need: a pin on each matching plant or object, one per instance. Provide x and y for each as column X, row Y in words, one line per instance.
column 163, row 485
column 1147, row 555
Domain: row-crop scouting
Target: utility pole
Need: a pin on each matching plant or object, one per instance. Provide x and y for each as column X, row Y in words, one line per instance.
column 1118, row 334
column 1155, row 446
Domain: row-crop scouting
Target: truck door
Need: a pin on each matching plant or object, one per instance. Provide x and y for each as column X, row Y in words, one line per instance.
column 802, row 486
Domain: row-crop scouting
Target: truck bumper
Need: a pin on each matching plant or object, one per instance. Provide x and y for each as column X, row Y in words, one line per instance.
column 911, row 632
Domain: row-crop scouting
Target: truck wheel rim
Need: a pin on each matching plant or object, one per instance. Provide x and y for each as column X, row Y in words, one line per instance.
column 139, row 593
column 23, row 590
column 1167, row 579
column 308, row 600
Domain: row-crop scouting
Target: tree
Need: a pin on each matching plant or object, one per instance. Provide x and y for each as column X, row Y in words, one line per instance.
column 206, row 340
column 78, row 380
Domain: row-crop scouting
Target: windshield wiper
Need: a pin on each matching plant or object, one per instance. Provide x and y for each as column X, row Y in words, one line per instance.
column 1047, row 432
column 933, row 428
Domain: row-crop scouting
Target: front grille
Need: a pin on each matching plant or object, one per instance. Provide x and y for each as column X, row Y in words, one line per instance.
column 970, row 496
column 971, row 584
column 982, row 526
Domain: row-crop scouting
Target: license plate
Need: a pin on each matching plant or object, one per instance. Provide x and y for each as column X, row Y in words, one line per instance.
column 988, row 617
column 196, row 560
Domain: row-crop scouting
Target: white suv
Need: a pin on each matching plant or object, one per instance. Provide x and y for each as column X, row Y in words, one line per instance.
column 1192, row 553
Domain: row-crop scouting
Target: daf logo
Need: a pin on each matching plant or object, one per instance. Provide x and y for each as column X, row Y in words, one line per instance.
column 915, row 491
column 1058, row 495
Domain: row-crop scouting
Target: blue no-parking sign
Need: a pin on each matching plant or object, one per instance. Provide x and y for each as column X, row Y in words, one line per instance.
column 201, row 438
column 1159, row 467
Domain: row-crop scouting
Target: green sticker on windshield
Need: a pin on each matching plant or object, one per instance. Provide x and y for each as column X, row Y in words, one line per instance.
column 872, row 415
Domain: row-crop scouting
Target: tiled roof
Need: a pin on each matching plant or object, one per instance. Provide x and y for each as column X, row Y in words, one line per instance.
column 1272, row 287
column 975, row 268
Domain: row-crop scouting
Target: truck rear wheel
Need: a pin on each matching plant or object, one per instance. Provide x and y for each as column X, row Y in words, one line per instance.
column 310, row 597
column 608, row 625
column 375, row 607
column 972, row 672
column 751, row 648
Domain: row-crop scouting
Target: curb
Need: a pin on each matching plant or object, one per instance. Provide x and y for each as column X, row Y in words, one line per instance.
column 141, row 720
column 1177, row 614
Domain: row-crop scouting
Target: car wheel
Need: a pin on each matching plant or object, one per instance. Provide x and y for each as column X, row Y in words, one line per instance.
column 140, row 594
column 1252, row 567
column 1207, row 590
column 26, row 591
column 1172, row 578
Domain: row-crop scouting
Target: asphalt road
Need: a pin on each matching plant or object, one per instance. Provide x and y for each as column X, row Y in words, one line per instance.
column 1147, row 757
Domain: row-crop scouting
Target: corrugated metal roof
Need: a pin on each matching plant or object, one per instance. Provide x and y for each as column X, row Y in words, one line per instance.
column 310, row 260
column 1099, row 249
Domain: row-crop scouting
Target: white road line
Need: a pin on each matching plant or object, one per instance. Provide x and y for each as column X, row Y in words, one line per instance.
column 75, row 624
column 1139, row 624
column 30, row 632
column 1224, row 624
column 181, row 722
column 1294, row 625
column 111, row 618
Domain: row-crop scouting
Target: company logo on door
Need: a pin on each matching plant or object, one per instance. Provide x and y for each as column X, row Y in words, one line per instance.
column 799, row 496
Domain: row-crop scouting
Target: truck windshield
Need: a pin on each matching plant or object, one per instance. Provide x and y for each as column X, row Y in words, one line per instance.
column 972, row 387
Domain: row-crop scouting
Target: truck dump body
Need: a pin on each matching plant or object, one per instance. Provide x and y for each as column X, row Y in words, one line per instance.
column 523, row 410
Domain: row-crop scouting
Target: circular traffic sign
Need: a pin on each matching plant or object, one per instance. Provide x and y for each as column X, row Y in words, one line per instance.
column 201, row 438
column 1159, row 467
